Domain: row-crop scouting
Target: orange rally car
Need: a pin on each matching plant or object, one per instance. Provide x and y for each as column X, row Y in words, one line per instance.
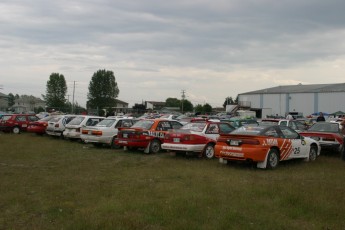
column 265, row 145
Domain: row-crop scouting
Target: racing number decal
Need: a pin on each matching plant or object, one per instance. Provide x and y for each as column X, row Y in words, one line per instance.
column 296, row 150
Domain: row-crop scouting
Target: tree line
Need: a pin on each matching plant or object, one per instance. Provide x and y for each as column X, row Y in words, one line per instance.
column 102, row 93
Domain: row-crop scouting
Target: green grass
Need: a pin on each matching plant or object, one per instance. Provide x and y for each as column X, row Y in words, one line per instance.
column 47, row 183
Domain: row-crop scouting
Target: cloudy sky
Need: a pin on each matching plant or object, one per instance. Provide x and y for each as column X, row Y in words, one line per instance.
column 157, row 49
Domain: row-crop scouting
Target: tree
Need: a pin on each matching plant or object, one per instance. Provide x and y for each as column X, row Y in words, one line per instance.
column 56, row 91
column 11, row 99
column 172, row 102
column 103, row 90
column 236, row 100
column 199, row 108
column 228, row 101
column 187, row 106
column 207, row 108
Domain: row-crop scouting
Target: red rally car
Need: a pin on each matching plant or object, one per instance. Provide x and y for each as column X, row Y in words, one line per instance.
column 148, row 134
column 39, row 127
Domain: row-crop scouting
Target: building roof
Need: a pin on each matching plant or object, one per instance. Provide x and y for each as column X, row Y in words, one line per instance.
column 3, row 95
column 158, row 103
column 313, row 88
column 121, row 102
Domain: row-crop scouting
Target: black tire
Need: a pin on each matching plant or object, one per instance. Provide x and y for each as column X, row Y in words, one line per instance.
column 341, row 149
column 272, row 159
column 16, row 130
column 155, row 146
column 112, row 144
column 312, row 153
column 342, row 154
column 209, row 151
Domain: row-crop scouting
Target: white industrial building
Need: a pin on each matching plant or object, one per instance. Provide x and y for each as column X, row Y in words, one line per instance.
column 307, row 99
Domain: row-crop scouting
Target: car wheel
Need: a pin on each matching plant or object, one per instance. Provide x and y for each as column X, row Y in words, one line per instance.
column 343, row 155
column 113, row 145
column 155, row 146
column 209, row 151
column 16, row 130
column 272, row 159
column 312, row 153
column 340, row 150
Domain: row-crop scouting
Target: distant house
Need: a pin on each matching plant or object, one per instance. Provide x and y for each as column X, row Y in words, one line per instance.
column 27, row 104
column 154, row 105
column 120, row 107
column 3, row 102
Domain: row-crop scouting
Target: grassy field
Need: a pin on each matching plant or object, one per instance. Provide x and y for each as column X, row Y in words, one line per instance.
column 47, row 183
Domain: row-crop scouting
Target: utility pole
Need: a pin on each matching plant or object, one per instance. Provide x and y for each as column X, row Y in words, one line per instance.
column 183, row 97
column 73, row 97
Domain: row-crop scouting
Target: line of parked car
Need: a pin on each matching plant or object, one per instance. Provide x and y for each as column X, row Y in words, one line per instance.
column 264, row 143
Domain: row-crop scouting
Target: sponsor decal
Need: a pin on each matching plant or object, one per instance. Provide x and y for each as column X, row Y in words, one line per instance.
column 271, row 142
column 156, row 134
column 232, row 148
column 231, row 154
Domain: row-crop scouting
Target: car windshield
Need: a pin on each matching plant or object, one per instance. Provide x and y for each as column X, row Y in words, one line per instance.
column 55, row 119
column 195, row 126
column 76, row 121
column 249, row 130
column 144, row 124
column 249, row 122
column 47, row 118
column 5, row 118
column 325, row 127
column 106, row 123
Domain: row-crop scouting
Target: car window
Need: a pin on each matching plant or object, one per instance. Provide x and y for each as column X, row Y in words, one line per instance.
column 92, row 121
column 175, row 125
column 289, row 133
column 33, row 118
column 325, row 127
column 119, row 124
column 144, row 124
column 68, row 119
column 284, row 123
column 300, row 126
column 5, row 118
column 127, row 123
column 271, row 132
column 225, row 128
column 212, row 129
column 163, row 126
column 21, row 118
column 106, row 123
column 76, row 121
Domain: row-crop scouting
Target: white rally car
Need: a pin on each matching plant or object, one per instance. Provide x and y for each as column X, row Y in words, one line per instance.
column 56, row 126
column 105, row 131
column 73, row 128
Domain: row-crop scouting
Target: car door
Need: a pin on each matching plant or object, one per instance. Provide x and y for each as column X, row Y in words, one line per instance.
column 296, row 147
column 22, row 121
column 212, row 131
